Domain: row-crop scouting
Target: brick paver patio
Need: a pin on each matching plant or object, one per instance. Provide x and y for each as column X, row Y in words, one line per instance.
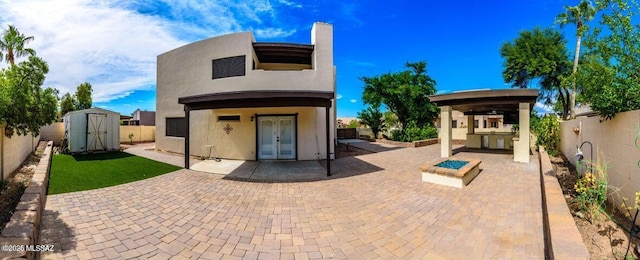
column 386, row 212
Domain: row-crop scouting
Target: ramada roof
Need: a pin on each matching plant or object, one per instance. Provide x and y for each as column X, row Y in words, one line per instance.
column 487, row 102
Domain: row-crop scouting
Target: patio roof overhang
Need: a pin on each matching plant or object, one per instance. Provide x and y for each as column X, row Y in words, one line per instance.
column 487, row 102
column 271, row 98
column 258, row 98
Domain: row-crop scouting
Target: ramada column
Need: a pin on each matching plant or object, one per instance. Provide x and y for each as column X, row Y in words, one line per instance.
column 445, row 131
column 521, row 150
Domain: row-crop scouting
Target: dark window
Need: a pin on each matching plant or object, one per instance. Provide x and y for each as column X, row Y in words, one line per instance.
column 454, row 124
column 476, row 123
column 494, row 124
column 229, row 67
column 485, row 124
column 175, row 127
column 228, row 118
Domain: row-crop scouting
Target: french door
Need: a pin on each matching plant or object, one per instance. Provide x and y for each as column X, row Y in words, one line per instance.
column 276, row 137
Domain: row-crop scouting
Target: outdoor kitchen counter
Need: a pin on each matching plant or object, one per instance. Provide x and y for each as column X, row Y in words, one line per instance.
column 491, row 140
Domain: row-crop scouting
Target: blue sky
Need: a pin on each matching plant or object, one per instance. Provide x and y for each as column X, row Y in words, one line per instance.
column 113, row 44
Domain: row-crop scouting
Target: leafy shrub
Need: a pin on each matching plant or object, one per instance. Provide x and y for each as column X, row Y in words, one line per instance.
column 592, row 190
column 548, row 132
column 414, row 133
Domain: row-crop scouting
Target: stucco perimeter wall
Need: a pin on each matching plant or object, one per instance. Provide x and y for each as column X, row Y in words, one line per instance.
column 141, row 133
column 614, row 141
column 55, row 132
column 15, row 151
column 240, row 142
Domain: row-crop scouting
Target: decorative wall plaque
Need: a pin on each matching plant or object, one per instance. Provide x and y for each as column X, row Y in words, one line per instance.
column 228, row 128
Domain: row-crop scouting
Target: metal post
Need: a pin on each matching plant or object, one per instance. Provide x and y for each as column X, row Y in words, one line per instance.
column 186, row 137
column 328, row 141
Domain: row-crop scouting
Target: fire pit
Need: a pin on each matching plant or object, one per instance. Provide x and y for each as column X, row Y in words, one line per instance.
column 449, row 172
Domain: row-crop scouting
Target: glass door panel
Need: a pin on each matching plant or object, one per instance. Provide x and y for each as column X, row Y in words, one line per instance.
column 266, row 138
column 286, row 149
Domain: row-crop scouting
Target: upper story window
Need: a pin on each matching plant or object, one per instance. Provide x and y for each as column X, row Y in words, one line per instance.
column 229, row 67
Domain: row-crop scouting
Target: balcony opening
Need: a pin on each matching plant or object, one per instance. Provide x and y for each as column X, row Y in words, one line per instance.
column 282, row 56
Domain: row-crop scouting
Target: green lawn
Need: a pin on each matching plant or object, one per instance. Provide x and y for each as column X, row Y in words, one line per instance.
column 91, row 171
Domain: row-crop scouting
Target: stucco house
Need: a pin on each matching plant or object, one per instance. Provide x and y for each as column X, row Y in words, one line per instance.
column 234, row 98
column 143, row 117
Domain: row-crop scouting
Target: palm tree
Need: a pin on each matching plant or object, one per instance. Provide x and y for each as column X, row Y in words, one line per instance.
column 578, row 15
column 13, row 44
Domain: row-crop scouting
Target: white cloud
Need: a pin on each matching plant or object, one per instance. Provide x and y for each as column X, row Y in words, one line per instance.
column 113, row 44
column 113, row 49
column 541, row 106
column 353, row 101
column 269, row 33
column 338, row 96
column 290, row 3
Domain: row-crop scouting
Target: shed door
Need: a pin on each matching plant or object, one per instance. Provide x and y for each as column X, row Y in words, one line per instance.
column 96, row 132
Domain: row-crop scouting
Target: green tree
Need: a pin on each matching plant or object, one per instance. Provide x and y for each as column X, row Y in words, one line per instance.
column 548, row 132
column 372, row 117
column 12, row 43
column 578, row 15
column 353, row 124
column 539, row 54
column 391, row 120
column 610, row 71
column 83, row 96
column 25, row 105
column 67, row 104
column 405, row 93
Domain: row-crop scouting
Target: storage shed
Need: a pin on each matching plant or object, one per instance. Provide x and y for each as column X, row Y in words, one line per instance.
column 91, row 130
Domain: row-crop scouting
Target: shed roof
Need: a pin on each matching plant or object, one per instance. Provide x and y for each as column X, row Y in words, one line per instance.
column 92, row 110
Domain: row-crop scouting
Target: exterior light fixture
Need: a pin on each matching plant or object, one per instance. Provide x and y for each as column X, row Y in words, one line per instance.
column 579, row 156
